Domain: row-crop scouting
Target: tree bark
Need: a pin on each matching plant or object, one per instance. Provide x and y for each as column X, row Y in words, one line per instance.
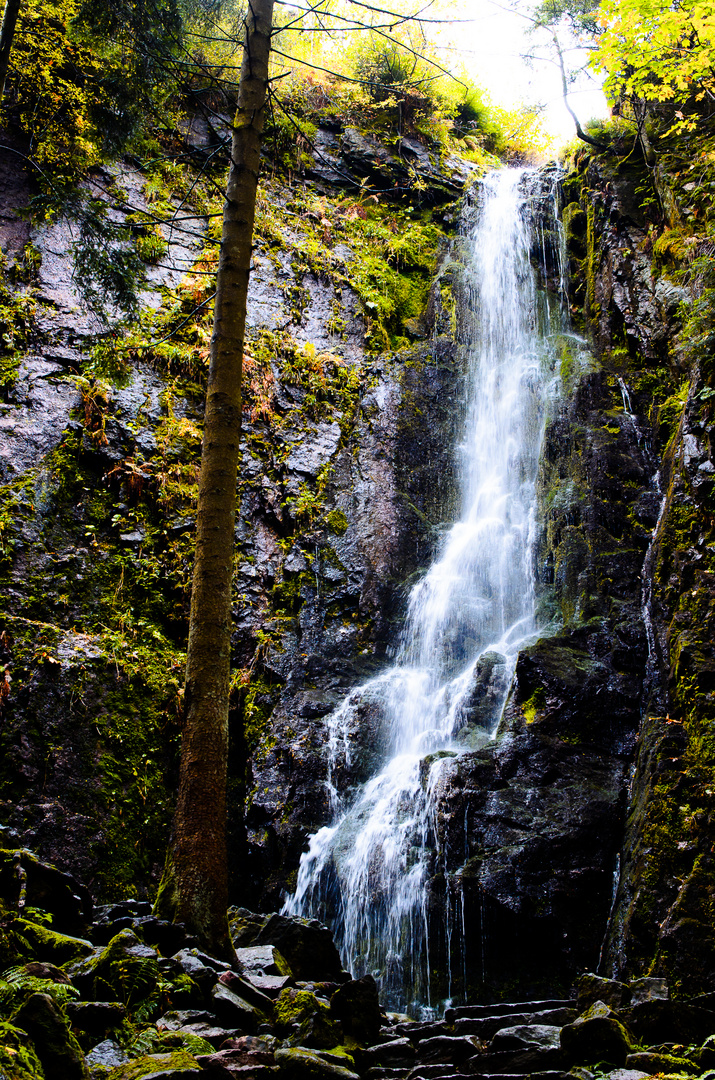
column 194, row 889
column 7, row 35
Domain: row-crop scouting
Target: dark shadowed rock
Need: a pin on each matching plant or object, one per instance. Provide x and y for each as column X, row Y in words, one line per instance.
column 596, row 1036
column 357, row 1006
column 58, row 1050
column 307, row 946
column 302, row 1063
column 592, row 988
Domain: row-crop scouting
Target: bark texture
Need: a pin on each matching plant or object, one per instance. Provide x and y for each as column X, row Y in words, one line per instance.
column 7, row 35
column 194, row 890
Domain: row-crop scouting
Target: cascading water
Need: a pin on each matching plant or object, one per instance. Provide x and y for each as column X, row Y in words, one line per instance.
column 367, row 874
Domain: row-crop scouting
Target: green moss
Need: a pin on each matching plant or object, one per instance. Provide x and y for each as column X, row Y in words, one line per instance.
column 294, row 1006
column 337, row 522
column 18, row 1060
column 177, row 1060
column 48, row 945
column 535, row 704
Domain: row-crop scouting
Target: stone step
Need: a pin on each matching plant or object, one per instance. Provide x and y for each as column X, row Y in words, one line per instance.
column 504, row 1008
column 528, row 1060
column 486, row 1027
column 417, row 1030
column 432, row 1072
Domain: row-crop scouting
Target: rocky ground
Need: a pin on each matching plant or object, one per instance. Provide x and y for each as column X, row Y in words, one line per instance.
column 117, row 994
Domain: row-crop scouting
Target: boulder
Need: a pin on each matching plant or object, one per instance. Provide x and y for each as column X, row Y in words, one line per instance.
column 235, row 1011
column 262, row 960
column 18, row 1060
column 39, row 970
column 318, row 1032
column 270, row 985
column 306, row 945
column 657, row 1021
column 126, row 969
column 647, row 989
column 592, row 988
column 522, row 1036
column 357, row 1006
column 651, row 1062
column 302, row 1063
column 229, row 1062
column 247, row 990
column 398, row 1053
column 178, row 1064
column 445, row 1048
column 596, row 1036
column 244, row 926
column 96, row 1017
column 108, row 1054
column 59, row 1052
column 47, row 888
column 50, row 946
column 293, row 1006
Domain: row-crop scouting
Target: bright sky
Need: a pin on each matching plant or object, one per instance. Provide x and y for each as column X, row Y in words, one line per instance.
column 490, row 46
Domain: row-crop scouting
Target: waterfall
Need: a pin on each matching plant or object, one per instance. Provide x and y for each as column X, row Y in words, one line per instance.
column 368, row 873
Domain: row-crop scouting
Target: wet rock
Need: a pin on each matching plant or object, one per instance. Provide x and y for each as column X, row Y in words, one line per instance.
column 626, row 1074
column 445, row 1048
column 307, row 946
column 302, row 1063
column 47, row 888
column 318, row 1032
column 58, row 1050
column 96, row 1017
column 270, row 985
column 398, row 1053
column 245, row 988
column 544, row 1036
column 126, row 968
column 193, row 964
column 262, row 960
column 596, row 1036
column 647, row 989
column 592, row 988
column 178, row 1065
column 235, row 1011
column 40, row 970
column 50, row 946
column 649, row 1062
column 654, row 1021
column 169, row 938
column 357, row 1006
column 108, row 1054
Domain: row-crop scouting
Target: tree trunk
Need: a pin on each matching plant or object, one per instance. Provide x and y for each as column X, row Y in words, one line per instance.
column 7, row 34
column 194, row 889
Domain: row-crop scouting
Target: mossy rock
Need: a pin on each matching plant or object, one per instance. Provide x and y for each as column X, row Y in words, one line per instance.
column 18, row 1060
column 149, row 1064
column 295, row 1006
column 46, row 887
column 126, row 970
column 48, row 1027
column 49, row 945
column 319, row 1032
column 244, row 926
column 301, row 1063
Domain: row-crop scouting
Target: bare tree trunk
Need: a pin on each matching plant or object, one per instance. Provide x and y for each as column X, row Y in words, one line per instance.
column 7, row 35
column 194, row 889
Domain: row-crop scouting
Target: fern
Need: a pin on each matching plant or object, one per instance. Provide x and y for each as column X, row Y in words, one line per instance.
column 15, row 982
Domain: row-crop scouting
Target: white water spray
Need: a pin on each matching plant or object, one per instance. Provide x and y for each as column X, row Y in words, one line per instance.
column 368, row 873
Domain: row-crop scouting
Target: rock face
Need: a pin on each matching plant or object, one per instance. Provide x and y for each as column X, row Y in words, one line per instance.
column 348, row 477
